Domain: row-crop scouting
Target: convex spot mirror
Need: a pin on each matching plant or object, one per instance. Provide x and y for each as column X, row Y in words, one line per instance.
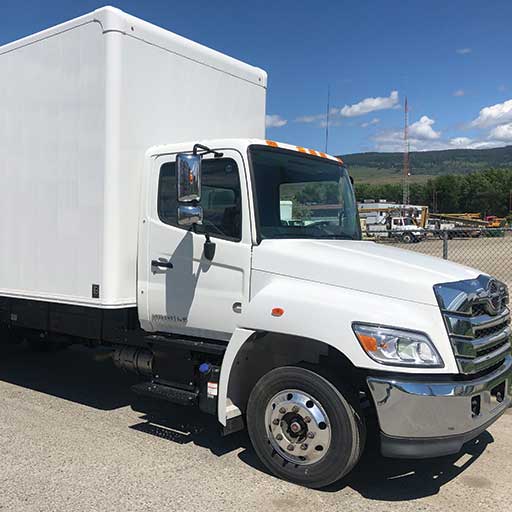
column 188, row 173
column 188, row 214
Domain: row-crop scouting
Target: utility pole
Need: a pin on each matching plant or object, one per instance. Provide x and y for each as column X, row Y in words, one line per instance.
column 407, row 169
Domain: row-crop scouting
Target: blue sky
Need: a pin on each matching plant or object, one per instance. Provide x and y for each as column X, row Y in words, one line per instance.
column 451, row 58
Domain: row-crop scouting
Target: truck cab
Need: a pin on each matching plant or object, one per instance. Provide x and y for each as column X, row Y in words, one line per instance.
column 300, row 306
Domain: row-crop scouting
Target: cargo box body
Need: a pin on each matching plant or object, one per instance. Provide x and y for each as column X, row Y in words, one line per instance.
column 80, row 104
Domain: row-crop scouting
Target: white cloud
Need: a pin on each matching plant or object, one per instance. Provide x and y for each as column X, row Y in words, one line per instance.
column 332, row 123
column 494, row 115
column 374, row 121
column 463, row 51
column 467, row 143
column 502, row 132
column 460, row 142
column 459, row 92
column 358, row 109
column 422, row 129
column 422, row 137
column 310, row 119
column 369, row 105
column 274, row 121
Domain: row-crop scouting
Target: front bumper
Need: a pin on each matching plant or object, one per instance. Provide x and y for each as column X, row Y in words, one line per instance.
column 420, row 419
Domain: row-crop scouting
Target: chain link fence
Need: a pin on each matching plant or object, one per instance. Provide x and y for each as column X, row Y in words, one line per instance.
column 486, row 249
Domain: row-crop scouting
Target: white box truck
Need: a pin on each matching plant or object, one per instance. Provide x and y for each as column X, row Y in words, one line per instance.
column 140, row 211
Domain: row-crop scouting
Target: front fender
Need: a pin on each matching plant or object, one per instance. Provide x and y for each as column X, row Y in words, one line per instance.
column 325, row 313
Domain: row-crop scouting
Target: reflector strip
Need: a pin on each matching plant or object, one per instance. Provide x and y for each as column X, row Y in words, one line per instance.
column 300, row 149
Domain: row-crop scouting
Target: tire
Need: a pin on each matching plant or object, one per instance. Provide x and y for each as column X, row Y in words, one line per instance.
column 407, row 238
column 343, row 427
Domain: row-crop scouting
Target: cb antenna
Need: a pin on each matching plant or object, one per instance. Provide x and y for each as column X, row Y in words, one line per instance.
column 327, row 114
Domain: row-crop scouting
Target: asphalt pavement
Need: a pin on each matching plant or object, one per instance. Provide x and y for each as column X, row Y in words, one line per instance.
column 69, row 441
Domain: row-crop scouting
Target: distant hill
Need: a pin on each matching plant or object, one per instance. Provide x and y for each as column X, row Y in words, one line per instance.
column 387, row 167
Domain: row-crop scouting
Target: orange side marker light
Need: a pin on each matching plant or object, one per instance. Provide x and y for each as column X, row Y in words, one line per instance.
column 369, row 343
column 277, row 312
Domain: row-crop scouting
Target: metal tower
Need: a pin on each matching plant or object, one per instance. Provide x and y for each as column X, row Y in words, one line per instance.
column 407, row 168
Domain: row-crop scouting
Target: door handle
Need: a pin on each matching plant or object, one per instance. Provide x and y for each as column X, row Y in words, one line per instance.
column 162, row 264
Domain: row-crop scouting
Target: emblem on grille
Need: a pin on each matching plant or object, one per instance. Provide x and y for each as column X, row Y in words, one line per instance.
column 495, row 297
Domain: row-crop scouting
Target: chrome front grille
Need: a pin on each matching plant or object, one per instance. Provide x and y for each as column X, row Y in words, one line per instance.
column 477, row 319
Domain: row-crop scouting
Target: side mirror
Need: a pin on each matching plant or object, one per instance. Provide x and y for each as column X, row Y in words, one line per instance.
column 188, row 174
column 188, row 215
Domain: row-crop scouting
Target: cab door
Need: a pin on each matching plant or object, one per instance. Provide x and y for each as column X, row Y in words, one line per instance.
column 186, row 293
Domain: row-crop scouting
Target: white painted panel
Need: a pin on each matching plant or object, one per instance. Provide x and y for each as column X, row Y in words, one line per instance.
column 80, row 104
column 51, row 166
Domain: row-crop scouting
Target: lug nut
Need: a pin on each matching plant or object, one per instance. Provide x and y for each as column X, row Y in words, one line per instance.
column 282, row 410
column 291, row 447
column 311, row 435
column 307, row 419
column 303, row 446
column 275, row 422
column 279, row 437
column 295, row 408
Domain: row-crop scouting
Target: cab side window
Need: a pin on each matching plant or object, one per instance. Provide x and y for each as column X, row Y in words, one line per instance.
column 221, row 198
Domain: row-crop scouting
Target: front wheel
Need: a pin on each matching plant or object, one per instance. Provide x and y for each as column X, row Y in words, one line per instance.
column 303, row 428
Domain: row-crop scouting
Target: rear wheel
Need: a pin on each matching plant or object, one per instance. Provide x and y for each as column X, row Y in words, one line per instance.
column 303, row 428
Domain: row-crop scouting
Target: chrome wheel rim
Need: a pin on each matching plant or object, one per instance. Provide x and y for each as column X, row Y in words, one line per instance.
column 298, row 427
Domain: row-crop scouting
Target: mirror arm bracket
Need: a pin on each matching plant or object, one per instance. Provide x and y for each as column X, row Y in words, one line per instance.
column 205, row 150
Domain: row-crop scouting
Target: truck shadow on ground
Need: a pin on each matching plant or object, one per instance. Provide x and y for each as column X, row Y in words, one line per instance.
column 86, row 377
column 382, row 479
column 375, row 477
column 77, row 374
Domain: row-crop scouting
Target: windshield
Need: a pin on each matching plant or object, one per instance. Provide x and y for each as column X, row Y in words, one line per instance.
column 298, row 196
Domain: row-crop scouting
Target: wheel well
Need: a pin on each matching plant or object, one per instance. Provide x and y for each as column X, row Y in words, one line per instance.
column 265, row 351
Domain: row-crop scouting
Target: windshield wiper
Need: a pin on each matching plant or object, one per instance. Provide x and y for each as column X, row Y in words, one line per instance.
column 335, row 237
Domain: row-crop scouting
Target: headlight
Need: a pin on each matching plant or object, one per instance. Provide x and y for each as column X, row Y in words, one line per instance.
column 397, row 347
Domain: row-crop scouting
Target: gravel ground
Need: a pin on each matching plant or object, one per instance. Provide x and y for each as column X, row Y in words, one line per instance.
column 69, row 441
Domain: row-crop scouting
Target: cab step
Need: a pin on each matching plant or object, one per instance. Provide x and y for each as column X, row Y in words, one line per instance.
column 168, row 393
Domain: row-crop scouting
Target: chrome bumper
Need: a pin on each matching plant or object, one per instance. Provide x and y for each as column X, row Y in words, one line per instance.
column 429, row 419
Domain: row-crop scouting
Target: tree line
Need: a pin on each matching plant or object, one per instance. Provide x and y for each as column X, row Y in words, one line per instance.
column 488, row 192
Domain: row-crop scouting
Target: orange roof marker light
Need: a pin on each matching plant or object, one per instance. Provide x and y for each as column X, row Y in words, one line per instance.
column 300, row 149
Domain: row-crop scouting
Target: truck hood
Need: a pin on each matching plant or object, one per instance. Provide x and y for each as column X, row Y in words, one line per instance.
column 360, row 265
